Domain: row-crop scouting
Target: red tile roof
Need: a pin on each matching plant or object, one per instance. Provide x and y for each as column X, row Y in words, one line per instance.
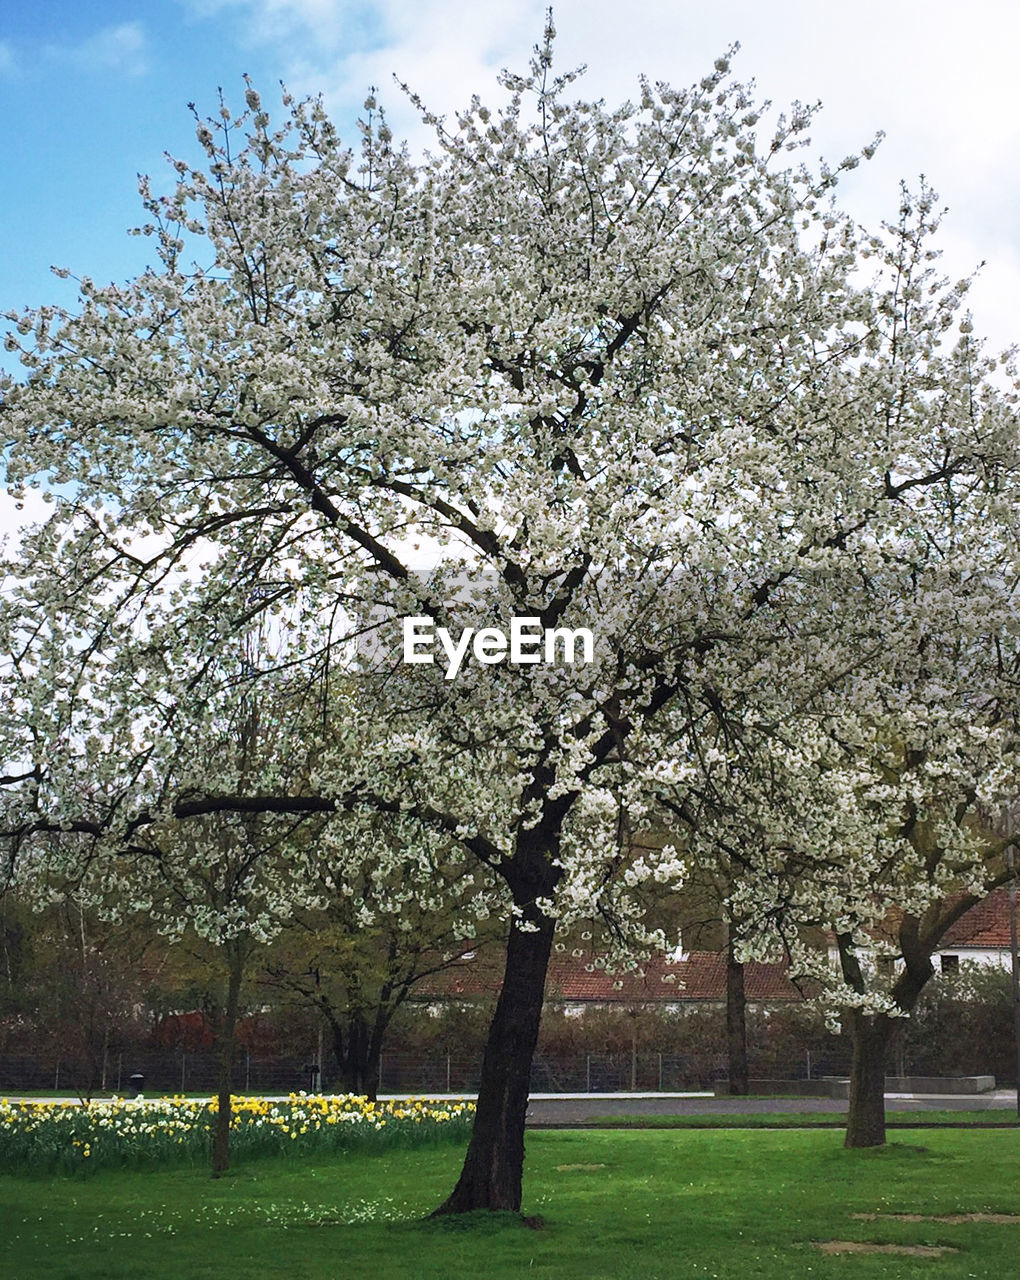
column 702, row 976
column 984, row 925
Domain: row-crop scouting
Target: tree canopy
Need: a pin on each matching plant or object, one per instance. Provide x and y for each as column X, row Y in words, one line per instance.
column 626, row 370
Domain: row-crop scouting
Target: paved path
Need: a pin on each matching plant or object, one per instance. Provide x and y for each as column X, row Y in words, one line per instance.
column 552, row 1109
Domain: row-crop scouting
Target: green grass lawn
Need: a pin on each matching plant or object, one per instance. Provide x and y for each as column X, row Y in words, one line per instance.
column 676, row 1205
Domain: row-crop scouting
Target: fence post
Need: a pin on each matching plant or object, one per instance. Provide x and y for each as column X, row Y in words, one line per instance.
column 660, row 1072
column 379, row 1084
column 809, row 1064
column 587, row 1073
column 247, row 1071
column 56, row 1078
column 447, row 1073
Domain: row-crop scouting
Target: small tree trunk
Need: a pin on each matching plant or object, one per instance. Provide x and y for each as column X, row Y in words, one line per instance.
column 865, row 1125
column 342, row 1055
column 736, row 1022
column 226, row 1036
column 356, row 1052
column 494, row 1166
column 373, row 1049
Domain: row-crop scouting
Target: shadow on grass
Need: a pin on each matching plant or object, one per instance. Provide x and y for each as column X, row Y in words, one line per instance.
column 483, row 1222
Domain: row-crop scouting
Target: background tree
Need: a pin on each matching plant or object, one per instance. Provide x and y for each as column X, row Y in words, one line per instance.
column 72, row 987
column 233, row 880
column 388, row 923
column 224, row 883
column 932, row 852
column 960, row 859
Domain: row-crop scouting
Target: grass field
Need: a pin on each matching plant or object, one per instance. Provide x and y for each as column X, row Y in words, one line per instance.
column 676, row 1205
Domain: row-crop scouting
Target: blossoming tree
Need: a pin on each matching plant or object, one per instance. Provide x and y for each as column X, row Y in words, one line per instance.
column 606, row 370
column 915, row 841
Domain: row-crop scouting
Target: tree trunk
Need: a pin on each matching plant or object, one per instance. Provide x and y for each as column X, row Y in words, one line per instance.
column 494, row 1166
column 356, row 1049
column 736, row 1022
column 866, row 1116
column 873, row 1032
column 226, row 1036
column 373, row 1049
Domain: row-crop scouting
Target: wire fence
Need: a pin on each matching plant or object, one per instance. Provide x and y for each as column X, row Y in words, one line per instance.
column 163, row 1071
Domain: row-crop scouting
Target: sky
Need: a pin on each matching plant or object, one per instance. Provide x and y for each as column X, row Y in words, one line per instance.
column 94, row 93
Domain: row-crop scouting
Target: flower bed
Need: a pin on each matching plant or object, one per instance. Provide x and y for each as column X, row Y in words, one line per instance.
column 53, row 1136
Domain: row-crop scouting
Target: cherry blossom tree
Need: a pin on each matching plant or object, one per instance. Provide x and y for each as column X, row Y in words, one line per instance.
column 621, row 371
column 225, row 882
column 943, row 851
column 858, row 917
column 918, row 795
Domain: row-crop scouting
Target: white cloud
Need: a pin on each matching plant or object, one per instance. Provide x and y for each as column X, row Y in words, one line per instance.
column 7, row 62
column 122, row 48
column 325, row 22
